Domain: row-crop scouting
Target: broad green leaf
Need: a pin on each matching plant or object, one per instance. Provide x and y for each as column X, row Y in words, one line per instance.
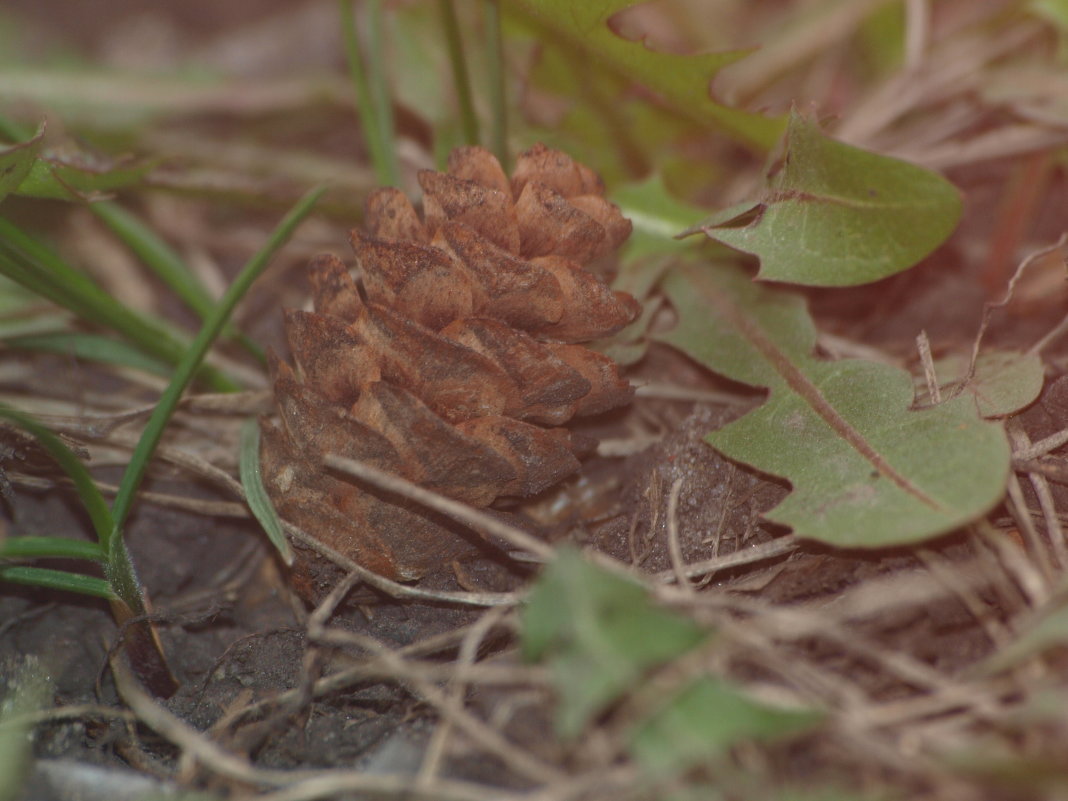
column 835, row 215
column 16, row 162
column 259, row 502
column 866, row 470
column 704, row 720
column 599, row 633
column 28, row 688
column 79, row 177
column 1004, row 381
column 681, row 80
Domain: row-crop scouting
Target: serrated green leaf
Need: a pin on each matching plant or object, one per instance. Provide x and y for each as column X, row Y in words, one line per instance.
column 599, row 634
column 835, row 215
column 703, row 720
column 866, row 470
column 681, row 80
column 79, row 177
column 16, row 162
column 1004, row 381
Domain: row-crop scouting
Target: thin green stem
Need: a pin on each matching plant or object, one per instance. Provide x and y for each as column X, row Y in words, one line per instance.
column 460, row 77
column 377, row 131
column 378, row 74
column 495, row 74
column 192, row 357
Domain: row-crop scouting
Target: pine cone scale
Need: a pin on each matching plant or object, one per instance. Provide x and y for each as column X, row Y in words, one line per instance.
column 454, row 361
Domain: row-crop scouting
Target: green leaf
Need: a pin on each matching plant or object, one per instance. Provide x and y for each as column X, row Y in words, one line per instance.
column 599, row 633
column 88, row 491
column 835, row 215
column 866, row 470
column 27, row 261
column 259, row 502
column 92, row 347
column 61, row 580
column 79, row 177
column 28, row 689
column 1056, row 11
column 658, row 218
column 194, row 354
column 50, row 547
column 705, row 719
column 161, row 258
column 681, row 80
column 1004, row 381
column 16, row 162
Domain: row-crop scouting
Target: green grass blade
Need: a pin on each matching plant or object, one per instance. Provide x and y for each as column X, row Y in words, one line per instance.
column 156, row 254
column 498, row 94
column 259, row 502
column 50, row 548
column 92, row 347
column 31, row 264
column 162, row 259
column 192, row 357
column 87, row 489
column 377, row 132
column 378, row 78
column 62, row 580
column 460, row 77
column 28, row 689
column 37, row 325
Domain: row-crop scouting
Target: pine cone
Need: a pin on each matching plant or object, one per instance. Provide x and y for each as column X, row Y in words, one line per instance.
column 457, row 363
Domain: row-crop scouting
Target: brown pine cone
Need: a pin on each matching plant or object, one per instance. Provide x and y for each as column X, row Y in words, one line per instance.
column 456, row 363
